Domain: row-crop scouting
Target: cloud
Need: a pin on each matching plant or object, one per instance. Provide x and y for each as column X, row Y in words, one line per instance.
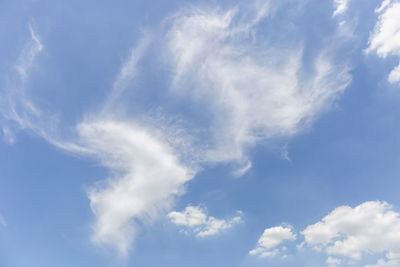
column 271, row 239
column 146, row 177
column 255, row 90
column 3, row 221
column 370, row 228
column 385, row 39
column 15, row 105
column 383, row 6
column 340, row 7
column 19, row 111
column 127, row 72
column 200, row 223
column 146, row 173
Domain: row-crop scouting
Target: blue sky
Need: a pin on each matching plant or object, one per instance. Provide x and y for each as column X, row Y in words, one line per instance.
column 199, row 133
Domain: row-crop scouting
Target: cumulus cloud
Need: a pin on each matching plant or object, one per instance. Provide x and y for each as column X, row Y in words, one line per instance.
column 270, row 241
column 385, row 39
column 255, row 90
column 195, row 218
column 370, row 228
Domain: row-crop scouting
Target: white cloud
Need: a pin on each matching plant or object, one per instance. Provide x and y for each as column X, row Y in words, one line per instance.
column 200, row 223
column 271, row 239
column 146, row 177
column 15, row 106
column 255, row 90
column 340, row 7
column 383, row 6
column 127, row 72
column 29, row 53
column 385, row 40
column 394, row 75
column 8, row 135
column 370, row 228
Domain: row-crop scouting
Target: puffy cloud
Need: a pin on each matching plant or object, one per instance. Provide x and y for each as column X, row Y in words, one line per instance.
column 340, row 7
column 370, row 228
column 255, row 90
column 271, row 239
column 385, row 39
column 195, row 218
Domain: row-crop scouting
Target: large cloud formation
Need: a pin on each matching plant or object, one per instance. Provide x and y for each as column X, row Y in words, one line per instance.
column 254, row 90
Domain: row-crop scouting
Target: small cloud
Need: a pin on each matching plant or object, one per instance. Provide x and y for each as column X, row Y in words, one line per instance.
column 341, row 7
column 8, row 135
column 243, row 169
column 3, row 221
column 285, row 153
column 195, row 218
column 271, row 239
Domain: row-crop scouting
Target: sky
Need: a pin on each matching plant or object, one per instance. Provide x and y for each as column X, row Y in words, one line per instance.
column 199, row 133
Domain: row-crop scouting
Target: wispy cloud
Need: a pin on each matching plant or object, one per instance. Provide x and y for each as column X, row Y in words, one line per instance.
column 255, row 90
column 340, row 7
column 147, row 171
column 127, row 72
column 17, row 108
column 146, row 177
column 15, row 105
column 3, row 221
